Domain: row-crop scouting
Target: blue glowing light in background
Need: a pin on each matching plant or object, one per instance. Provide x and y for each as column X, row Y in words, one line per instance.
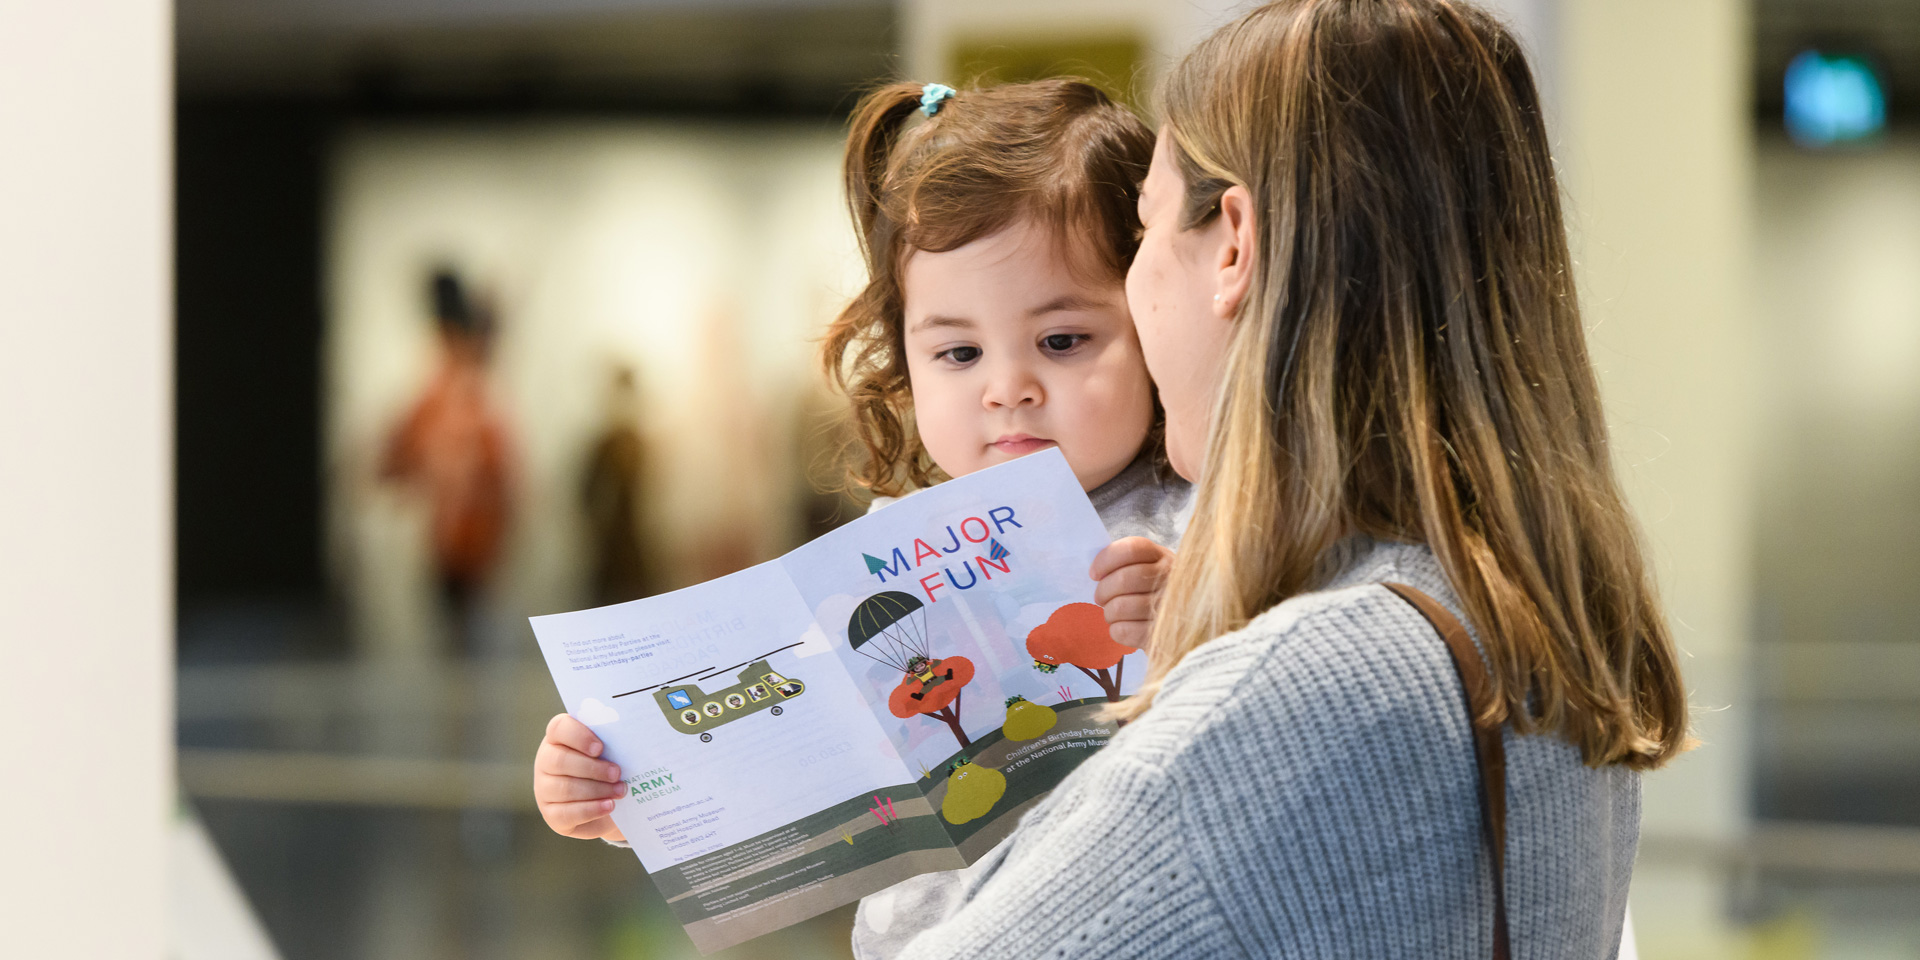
column 1833, row 99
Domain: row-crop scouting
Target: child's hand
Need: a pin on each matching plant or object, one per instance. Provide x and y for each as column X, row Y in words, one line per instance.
column 574, row 790
column 1131, row 572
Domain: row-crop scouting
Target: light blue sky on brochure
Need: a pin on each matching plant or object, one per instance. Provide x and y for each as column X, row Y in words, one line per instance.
column 1049, row 552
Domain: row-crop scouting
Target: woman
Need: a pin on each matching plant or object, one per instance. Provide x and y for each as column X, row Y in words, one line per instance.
column 1355, row 295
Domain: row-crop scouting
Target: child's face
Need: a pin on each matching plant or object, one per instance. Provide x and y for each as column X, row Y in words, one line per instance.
column 1010, row 352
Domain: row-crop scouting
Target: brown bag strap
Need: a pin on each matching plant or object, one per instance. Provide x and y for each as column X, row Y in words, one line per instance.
column 1489, row 751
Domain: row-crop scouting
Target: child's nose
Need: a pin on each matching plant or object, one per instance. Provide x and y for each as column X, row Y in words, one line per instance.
column 1012, row 385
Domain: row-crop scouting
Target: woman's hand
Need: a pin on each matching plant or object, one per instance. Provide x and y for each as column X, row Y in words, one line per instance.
column 1131, row 572
column 576, row 791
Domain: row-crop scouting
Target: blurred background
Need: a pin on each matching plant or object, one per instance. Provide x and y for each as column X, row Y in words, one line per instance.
column 490, row 310
column 505, row 307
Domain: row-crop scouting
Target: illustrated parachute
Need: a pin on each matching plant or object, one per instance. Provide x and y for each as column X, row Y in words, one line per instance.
column 890, row 628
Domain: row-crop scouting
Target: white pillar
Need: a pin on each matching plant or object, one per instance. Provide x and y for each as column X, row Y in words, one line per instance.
column 86, row 548
column 1657, row 148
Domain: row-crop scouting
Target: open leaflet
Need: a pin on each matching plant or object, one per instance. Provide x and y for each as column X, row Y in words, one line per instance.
column 883, row 702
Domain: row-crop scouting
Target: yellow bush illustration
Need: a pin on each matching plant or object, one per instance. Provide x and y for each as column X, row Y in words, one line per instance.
column 1026, row 719
column 972, row 790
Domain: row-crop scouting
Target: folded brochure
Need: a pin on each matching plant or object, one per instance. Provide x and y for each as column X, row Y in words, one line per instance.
column 882, row 702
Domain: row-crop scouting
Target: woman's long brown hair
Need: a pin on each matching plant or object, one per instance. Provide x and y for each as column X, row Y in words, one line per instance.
column 1409, row 362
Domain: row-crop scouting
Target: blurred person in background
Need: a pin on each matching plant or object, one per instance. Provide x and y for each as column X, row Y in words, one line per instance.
column 453, row 448
column 613, row 494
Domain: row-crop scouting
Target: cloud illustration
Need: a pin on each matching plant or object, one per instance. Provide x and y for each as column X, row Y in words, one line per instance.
column 813, row 642
column 593, row 713
column 1030, row 616
column 829, row 619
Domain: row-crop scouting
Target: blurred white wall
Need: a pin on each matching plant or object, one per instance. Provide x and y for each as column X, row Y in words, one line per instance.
column 1839, row 324
column 1839, row 248
column 708, row 257
column 85, row 477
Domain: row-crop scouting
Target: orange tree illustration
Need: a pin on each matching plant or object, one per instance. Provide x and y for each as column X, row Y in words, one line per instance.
column 935, row 692
column 891, row 628
column 1076, row 635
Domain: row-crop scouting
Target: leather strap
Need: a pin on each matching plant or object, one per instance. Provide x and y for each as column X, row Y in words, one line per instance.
column 1489, row 751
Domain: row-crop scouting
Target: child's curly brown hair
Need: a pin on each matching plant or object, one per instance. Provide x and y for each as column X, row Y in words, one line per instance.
column 1059, row 151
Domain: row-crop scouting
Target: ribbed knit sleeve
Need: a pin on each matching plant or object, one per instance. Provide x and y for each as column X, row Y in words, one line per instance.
column 1055, row 895
column 1306, row 788
column 1335, row 790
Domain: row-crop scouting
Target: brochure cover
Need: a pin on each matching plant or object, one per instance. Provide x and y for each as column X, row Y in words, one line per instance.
column 883, row 702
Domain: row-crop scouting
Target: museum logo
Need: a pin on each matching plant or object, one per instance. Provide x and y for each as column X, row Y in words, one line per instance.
column 651, row 785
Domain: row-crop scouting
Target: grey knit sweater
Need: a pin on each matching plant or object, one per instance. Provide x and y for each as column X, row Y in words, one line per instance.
column 1304, row 787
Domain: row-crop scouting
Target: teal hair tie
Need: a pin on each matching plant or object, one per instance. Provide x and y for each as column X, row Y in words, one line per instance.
column 934, row 94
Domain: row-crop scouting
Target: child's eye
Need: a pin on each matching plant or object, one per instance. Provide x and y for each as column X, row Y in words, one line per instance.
column 961, row 355
column 1063, row 342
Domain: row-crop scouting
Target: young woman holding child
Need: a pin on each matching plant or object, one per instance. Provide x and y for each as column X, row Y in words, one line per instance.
column 1354, row 294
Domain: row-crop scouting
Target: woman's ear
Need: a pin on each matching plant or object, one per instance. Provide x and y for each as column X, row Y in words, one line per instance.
column 1233, row 269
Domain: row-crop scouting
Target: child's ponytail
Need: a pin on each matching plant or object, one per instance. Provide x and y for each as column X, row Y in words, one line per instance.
column 861, row 353
column 875, row 130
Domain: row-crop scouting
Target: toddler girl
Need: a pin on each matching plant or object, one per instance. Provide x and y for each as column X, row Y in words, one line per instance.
column 997, row 226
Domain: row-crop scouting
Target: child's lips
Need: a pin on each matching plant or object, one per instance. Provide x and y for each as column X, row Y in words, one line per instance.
column 1019, row 444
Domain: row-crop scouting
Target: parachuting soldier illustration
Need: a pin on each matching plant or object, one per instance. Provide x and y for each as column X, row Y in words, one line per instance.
column 691, row 711
column 927, row 673
column 890, row 628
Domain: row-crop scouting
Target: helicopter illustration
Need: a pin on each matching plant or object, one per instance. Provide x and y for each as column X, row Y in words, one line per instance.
column 691, row 711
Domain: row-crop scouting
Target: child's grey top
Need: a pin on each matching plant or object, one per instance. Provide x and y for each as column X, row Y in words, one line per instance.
column 1143, row 501
column 1302, row 787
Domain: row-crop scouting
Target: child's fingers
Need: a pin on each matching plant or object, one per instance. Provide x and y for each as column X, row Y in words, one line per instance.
column 568, row 818
column 1133, row 606
column 568, row 732
column 1134, row 578
column 548, row 788
column 1130, row 633
column 1123, row 552
column 563, row 762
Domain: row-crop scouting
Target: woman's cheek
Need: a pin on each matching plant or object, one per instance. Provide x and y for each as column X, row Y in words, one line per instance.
column 1139, row 289
column 1186, row 441
column 1148, row 321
